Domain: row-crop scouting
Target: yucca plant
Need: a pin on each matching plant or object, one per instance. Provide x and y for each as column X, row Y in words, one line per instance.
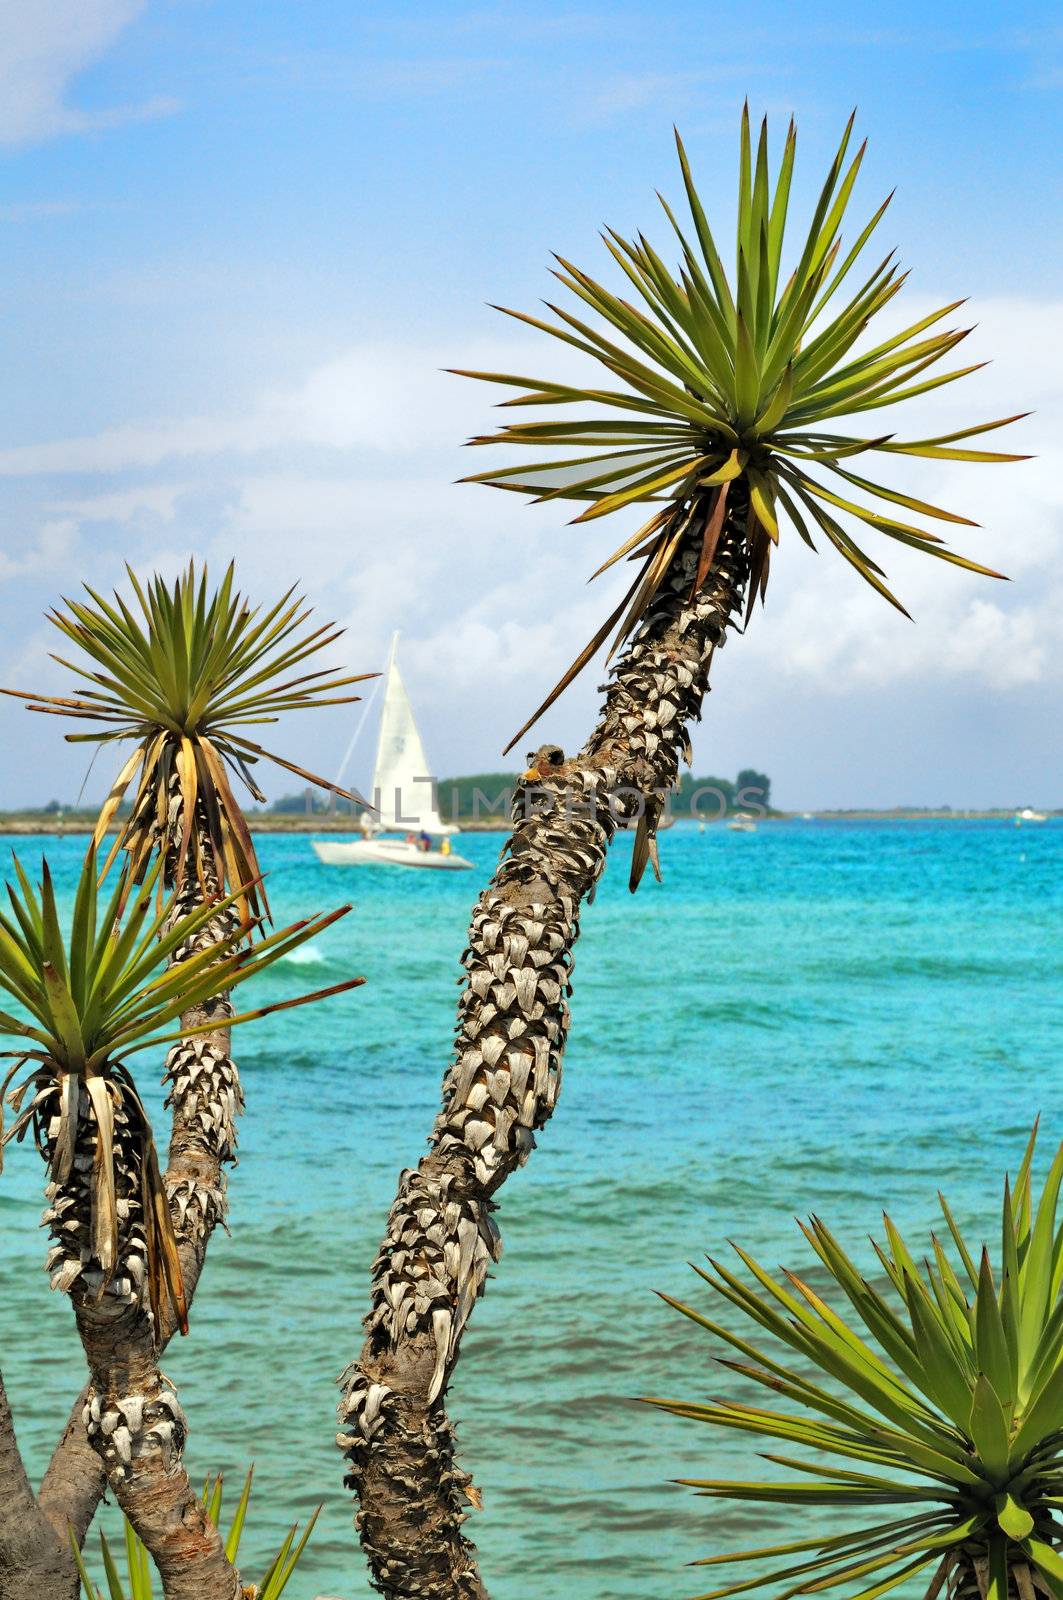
column 728, row 389
column 940, row 1425
column 184, row 672
column 183, row 681
column 137, row 1584
column 724, row 389
column 91, row 999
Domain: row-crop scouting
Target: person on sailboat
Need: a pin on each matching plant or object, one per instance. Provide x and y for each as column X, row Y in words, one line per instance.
column 389, row 839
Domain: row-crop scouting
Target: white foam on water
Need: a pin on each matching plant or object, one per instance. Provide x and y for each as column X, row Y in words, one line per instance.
column 305, row 955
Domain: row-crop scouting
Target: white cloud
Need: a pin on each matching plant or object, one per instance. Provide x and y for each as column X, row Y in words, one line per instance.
column 825, row 631
column 43, row 48
column 37, row 210
column 341, row 479
column 157, row 500
column 619, row 94
column 829, row 632
column 381, row 398
column 51, row 550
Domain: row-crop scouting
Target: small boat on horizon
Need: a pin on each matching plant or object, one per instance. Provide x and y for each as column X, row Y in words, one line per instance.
column 1028, row 814
column 403, row 807
column 742, row 822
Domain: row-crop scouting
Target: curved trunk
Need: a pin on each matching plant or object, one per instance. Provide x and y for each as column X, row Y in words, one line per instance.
column 205, row 1098
column 131, row 1416
column 135, row 1423
column 504, row 1081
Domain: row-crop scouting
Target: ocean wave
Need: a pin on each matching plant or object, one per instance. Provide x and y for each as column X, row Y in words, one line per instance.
column 304, row 955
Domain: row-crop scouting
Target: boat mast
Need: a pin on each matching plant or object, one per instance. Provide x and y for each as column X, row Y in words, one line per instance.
column 389, row 672
column 367, row 708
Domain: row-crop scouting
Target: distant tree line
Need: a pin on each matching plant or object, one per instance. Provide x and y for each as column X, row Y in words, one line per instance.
column 311, row 801
column 481, row 795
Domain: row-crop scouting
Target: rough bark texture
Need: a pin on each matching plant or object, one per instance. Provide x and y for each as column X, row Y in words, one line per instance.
column 133, row 1418
column 205, row 1098
column 135, row 1423
column 504, row 1080
column 113, row 1297
column 33, row 1559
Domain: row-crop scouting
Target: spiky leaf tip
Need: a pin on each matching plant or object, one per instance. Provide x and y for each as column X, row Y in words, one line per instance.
column 923, row 1400
column 715, row 384
column 183, row 671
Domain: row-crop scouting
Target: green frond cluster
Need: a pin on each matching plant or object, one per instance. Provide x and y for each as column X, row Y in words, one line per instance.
column 138, row 1584
column 108, row 988
column 183, row 681
column 940, row 1427
column 726, row 380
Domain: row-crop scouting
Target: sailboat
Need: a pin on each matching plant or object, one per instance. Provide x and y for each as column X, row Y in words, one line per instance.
column 407, row 821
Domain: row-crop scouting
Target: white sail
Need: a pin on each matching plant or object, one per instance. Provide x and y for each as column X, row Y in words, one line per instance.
column 402, row 786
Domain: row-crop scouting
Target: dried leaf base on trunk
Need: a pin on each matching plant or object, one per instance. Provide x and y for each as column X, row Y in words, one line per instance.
column 178, row 682
column 205, row 1096
column 205, row 1099
column 74, row 1257
column 135, row 1423
column 131, row 1416
column 504, row 1081
column 964, row 1575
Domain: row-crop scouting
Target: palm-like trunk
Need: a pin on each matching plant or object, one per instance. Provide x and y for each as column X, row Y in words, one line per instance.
column 133, row 1418
column 135, row 1423
column 504, row 1081
column 205, row 1098
column 31, row 1551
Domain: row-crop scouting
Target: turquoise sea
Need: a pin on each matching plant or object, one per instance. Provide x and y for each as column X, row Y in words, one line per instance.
column 829, row 1016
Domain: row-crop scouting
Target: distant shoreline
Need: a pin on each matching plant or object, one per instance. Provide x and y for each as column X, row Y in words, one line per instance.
column 909, row 814
column 26, row 824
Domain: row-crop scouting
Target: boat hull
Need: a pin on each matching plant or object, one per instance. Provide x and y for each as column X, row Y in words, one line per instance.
column 385, row 853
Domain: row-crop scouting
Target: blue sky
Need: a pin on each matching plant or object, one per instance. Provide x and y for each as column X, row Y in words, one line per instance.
column 240, row 240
